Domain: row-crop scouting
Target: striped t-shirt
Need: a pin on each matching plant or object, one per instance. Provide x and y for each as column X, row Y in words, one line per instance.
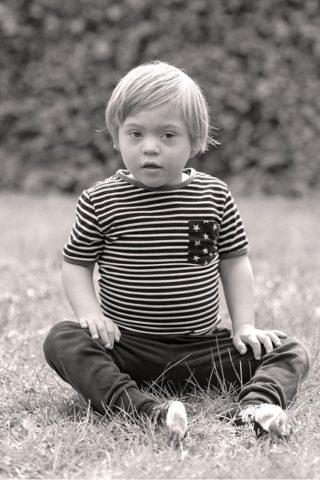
column 158, row 250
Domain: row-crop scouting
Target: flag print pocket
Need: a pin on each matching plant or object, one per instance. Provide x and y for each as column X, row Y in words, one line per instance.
column 203, row 237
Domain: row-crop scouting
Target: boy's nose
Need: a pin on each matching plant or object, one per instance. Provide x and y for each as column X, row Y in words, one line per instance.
column 150, row 147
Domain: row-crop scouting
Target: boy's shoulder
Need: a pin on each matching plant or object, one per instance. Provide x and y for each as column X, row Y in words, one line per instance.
column 103, row 186
column 212, row 181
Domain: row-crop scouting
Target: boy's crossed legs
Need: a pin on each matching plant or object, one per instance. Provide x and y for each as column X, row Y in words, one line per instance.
column 111, row 379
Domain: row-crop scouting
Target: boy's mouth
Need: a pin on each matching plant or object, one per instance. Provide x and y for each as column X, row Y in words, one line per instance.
column 151, row 166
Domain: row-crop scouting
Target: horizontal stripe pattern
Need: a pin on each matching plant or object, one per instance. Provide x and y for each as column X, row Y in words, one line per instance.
column 144, row 240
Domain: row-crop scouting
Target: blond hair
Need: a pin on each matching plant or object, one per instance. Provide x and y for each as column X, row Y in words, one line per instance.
column 153, row 84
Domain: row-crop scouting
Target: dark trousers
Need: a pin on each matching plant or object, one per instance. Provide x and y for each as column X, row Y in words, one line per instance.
column 111, row 379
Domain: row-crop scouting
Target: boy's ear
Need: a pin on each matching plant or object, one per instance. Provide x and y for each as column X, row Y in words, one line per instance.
column 116, row 142
column 194, row 152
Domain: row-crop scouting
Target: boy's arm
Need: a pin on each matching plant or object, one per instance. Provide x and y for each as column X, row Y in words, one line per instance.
column 237, row 280
column 79, row 288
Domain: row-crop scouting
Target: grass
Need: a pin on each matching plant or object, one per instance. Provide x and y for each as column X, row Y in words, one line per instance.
column 46, row 431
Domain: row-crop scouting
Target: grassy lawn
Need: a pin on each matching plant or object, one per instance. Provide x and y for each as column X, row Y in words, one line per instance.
column 46, row 431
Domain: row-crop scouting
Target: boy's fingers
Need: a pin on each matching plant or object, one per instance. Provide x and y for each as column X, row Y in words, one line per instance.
column 111, row 330
column 103, row 328
column 240, row 346
column 117, row 333
column 103, row 333
column 280, row 333
column 275, row 339
column 256, row 347
column 266, row 342
column 93, row 330
column 110, row 339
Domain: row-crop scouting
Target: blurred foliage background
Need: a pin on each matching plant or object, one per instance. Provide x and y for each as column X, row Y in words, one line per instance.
column 257, row 62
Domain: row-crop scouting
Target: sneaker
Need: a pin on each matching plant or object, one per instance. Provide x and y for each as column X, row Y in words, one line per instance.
column 266, row 418
column 172, row 414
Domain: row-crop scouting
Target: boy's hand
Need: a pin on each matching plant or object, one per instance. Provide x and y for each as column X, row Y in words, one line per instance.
column 248, row 334
column 101, row 327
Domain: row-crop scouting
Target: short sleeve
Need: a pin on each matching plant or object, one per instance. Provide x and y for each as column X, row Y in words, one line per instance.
column 232, row 240
column 86, row 240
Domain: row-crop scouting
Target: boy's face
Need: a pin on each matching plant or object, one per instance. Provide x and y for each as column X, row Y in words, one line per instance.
column 155, row 145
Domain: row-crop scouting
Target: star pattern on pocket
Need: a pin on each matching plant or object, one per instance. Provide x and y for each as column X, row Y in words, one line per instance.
column 203, row 236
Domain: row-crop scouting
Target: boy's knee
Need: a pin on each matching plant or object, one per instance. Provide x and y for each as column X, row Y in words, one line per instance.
column 54, row 339
column 300, row 352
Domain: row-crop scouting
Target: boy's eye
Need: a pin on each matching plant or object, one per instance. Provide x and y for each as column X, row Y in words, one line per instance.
column 168, row 135
column 135, row 134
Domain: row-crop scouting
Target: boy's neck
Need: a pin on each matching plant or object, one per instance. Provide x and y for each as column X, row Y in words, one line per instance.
column 184, row 176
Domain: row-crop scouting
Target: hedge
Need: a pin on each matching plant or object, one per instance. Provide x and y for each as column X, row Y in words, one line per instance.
column 257, row 62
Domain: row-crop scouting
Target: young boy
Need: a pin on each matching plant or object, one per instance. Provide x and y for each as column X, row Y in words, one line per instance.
column 162, row 236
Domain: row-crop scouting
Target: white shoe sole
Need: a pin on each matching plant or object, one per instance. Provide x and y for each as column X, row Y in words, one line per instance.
column 176, row 419
column 270, row 417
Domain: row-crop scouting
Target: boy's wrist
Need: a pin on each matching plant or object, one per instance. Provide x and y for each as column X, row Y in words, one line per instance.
column 88, row 315
column 236, row 326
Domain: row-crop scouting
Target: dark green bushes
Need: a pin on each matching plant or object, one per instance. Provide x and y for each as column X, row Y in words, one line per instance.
column 258, row 63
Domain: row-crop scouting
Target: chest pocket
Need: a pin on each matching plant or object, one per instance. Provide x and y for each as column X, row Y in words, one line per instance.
column 203, row 238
